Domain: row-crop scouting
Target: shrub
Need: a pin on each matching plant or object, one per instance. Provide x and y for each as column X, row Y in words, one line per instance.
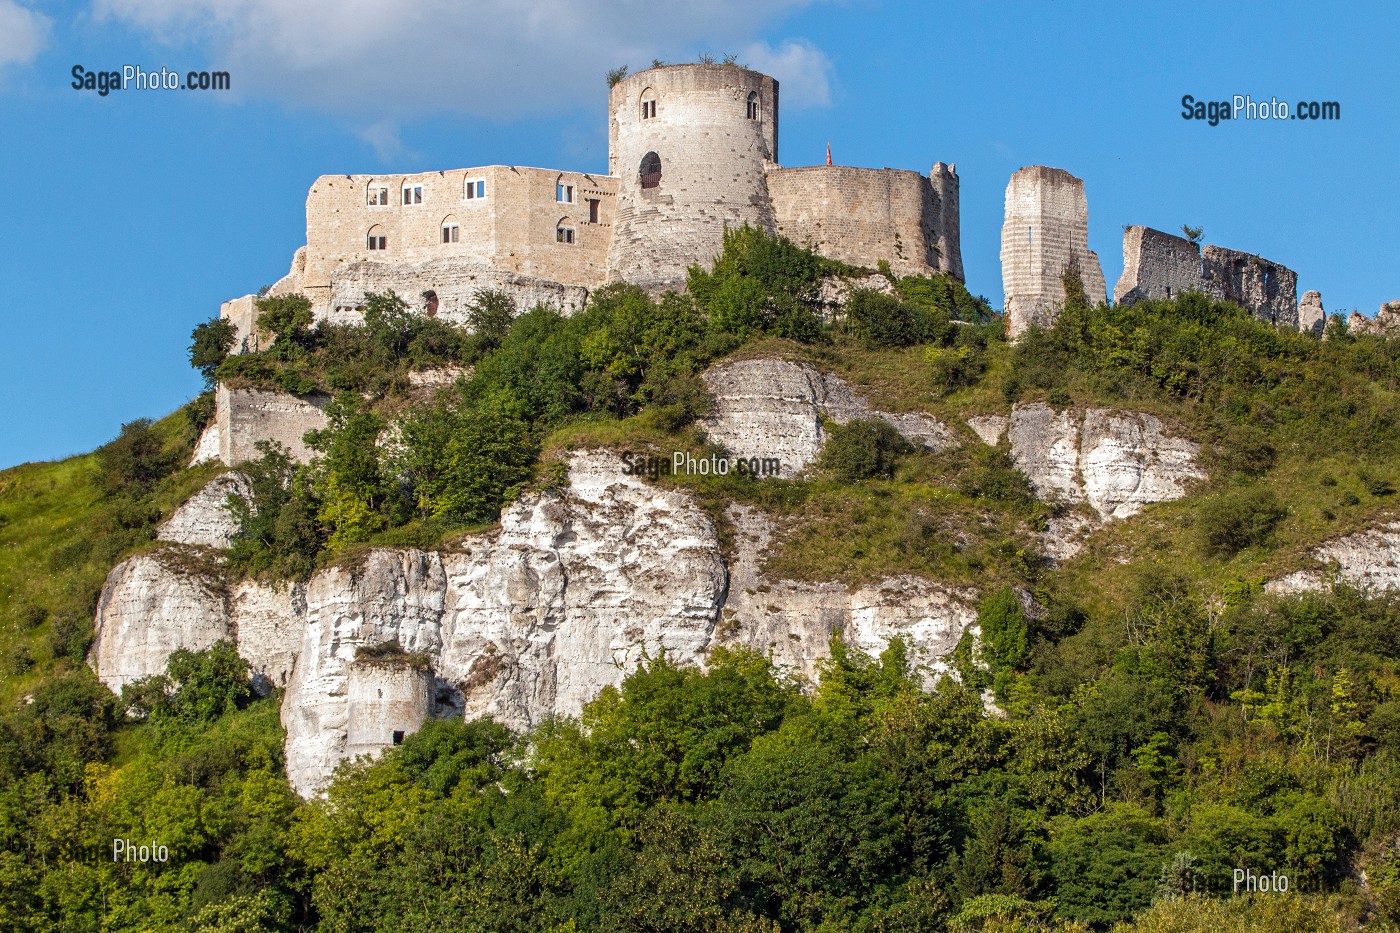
column 1235, row 519
column 1002, row 622
column 863, row 448
column 135, row 459
column 287, row 320
column 882, row 320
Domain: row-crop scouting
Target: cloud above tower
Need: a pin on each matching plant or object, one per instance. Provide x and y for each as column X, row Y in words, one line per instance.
column 393, row 60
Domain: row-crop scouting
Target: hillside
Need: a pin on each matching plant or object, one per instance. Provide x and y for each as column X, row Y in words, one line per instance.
column 1086, row 529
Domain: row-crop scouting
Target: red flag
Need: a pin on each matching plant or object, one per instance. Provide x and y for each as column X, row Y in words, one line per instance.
column 828, row 152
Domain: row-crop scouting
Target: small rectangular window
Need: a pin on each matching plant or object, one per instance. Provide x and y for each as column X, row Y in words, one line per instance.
column 451, row 233
column 475, row 190
column 481, row 189
column 398, row 737
column 413, row 194
column 564, row 193
column 564, row 235
column 593, row 210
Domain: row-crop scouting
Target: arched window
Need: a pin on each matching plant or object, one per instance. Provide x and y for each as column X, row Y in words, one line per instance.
column 451, row 232
column 648, row 104
column 753, row 105
column 563, row 191
column 651, row 170
column 564, row 231
column 375, row 240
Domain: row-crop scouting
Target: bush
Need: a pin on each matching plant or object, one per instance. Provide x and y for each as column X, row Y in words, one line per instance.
column 863, row 448
column 761, row 283
column 1233, row 520
column 883, row 320
column 287, row 320
column 133, row 462
column 1002, row 622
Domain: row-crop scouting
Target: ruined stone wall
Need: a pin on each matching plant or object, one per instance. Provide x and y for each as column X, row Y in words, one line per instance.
column 384, row 698
column 1158, row 266
column 440, row 287
column 712, row 158
column 243, row 313
column 1312, row 319
column 863, row 215
column 1046, row 227
column 246, row 416
column 1268, row 290
column 513, row 228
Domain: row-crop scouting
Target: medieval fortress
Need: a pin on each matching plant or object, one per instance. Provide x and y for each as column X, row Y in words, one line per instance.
column 692, row 150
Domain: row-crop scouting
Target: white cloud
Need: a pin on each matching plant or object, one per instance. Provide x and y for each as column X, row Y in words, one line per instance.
column 385, row 61
column 23, row 33
column 384, row 138
column 803, row 71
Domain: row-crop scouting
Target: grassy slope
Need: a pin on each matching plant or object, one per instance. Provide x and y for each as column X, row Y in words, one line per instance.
column 57, row 544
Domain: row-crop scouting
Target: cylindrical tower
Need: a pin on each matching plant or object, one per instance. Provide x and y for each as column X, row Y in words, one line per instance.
column 688, row 144
column 389, row 698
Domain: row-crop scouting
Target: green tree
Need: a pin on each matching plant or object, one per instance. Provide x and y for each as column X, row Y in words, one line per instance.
column 353, row 489
column 210, row 344
column 287, row 319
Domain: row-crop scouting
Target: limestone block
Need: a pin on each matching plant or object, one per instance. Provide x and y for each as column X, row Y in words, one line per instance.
column 1157, row 266
column 247, row 416
column 204, row 519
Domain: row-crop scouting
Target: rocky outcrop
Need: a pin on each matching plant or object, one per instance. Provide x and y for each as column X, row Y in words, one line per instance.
column 150, row 605
column 1386, row 323
column 204, row 519
column 1115, row 461
column 1367, row 559
column 531, row 620
column 774, row 408
column 1312, row 319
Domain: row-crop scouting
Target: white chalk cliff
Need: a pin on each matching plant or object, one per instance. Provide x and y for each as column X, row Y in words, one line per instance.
column 531, row 620
column 1369, row 560
column 774, row 408
column 1115, row 461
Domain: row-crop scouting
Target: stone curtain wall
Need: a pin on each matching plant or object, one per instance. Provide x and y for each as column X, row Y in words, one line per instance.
column 1268, row 290
column 1157, row 265
column 512, row 229
column 862, row 215
column 1160, row 266
column 1047, row 225
column 712, row 167
column 246, row 416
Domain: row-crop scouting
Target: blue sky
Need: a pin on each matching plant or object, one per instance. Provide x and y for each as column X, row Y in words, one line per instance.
column 132, row 216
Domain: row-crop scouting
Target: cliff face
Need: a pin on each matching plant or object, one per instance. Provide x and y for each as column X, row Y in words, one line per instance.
column 774, row 408
column 572, row 592
column 1115, row 461
column 1368, row 559
column 577, row 587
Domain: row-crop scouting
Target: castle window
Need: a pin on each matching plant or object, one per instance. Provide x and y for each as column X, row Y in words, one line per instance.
column 476, row 190
column 593, row 210
column 648, row 104
column 378, row 194
column 413, row 194
column 651, row 170
column 451, row 233
column 398, row 736
column 753, row 105
column 563, row 234
column 376, row 241
column 563, row 193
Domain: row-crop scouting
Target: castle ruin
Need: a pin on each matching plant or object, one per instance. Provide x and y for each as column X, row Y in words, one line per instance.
column 692, row 150
column 1045, row 234
column 1161, row 266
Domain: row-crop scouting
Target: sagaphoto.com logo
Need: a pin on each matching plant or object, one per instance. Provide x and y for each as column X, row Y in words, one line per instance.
column 1245, row 107
column 134, row 77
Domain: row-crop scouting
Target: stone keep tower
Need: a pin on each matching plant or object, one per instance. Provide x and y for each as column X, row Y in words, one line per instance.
column 688, row 145
column 1045, row 231
column 389, row 699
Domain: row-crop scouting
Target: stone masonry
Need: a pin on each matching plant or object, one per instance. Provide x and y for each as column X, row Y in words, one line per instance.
column 1046, row 231
column 246, row 416
column 1161, row 266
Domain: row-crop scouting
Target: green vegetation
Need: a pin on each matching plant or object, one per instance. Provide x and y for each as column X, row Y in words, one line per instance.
column 1162, row 720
